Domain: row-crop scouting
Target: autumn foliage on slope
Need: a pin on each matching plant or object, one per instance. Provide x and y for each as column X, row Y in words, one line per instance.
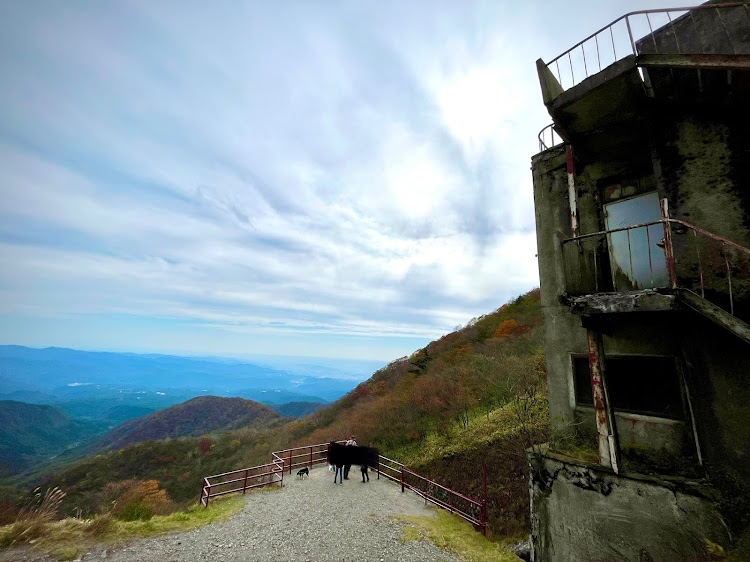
column 475, row 395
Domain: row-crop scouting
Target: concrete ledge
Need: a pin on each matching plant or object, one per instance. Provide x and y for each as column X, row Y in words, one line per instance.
column 647, row 300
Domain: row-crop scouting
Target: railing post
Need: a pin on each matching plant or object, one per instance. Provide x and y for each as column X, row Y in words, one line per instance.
column 484, row 499
column 729, row 279
column 609, row 447
column 203, row 492
column 290, row 462
column 668, row 249
column 630, row 34
column 244, row 484
column 402, row 479
column 311, row 460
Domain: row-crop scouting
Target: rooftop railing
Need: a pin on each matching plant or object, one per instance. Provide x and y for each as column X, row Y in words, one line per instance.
column 620, row 38
column 548, row 137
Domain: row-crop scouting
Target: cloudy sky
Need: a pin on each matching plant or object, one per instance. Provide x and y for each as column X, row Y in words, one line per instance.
column 322, row 178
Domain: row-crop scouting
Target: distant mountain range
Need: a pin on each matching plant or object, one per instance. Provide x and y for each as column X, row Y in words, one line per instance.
column 57, row 375
column 58, row 402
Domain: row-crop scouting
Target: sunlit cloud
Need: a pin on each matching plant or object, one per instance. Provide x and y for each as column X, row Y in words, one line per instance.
column 349, row 178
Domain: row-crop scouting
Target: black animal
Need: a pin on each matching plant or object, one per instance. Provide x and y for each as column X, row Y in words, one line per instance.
column 363, row 456
column 303, row 472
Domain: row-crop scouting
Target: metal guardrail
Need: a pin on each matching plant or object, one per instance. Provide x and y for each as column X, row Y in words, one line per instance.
column 547, row 137
column 619, row 38
column 700, row 254
column 473, row 511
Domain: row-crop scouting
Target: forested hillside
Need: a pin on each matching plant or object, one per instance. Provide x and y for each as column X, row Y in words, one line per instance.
column 30, row 433
column 190, row 419
column 475, row 395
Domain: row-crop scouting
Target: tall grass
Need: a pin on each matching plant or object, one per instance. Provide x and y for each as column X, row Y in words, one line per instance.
column 67, row 538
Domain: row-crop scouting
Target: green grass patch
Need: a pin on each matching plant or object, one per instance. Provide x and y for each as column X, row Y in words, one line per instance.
column 452, row 533
column 68, row 538
column 482, row 431
column 194, row 517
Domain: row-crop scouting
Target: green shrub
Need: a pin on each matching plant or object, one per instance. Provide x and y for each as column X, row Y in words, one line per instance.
column 101, row 525
column 136, row 511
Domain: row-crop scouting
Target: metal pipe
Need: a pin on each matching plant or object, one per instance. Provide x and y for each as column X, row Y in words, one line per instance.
column 676, row 39
column 729, row 279
column 630, row 34
column 700, row 265
column 650, row 267
column 651, row 29
column 585, row 66
column 721, row 239
column 668, row 250
column 692, row 418
column 630, row 256
column 698, row 229
column 572, row 76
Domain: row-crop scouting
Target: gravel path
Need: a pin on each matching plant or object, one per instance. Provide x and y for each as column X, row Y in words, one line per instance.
column 308, row 520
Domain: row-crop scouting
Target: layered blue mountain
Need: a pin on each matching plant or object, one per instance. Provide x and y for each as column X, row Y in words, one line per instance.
column 98, row 385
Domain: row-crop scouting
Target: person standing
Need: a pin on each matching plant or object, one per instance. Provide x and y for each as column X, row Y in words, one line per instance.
column 339, row 474
column 350, row 443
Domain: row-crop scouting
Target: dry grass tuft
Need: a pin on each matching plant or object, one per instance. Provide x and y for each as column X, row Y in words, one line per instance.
column 43, row 507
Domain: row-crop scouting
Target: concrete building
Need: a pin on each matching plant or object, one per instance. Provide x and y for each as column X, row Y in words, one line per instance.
column 642, row 197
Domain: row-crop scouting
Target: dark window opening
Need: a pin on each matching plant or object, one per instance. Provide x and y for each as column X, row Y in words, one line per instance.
column 641, row 385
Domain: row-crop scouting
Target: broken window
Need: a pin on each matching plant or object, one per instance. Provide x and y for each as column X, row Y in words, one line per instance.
column 636, row 259
column 637, row 384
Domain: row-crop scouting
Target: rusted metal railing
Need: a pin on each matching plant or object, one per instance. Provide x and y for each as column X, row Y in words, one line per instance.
column 548, row 137
column 473, row 511
column 620, row 38
column 702, row 262
column 228, row 482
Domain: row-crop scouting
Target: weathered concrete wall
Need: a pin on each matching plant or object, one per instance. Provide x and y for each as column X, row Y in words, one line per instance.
column 718, row 366
column 724, row 31
column 564, row 335
column 561, row 329
column 586, row 512
column 702, row 165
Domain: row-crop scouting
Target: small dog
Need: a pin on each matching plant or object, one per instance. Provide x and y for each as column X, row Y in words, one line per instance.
column 303, row 472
